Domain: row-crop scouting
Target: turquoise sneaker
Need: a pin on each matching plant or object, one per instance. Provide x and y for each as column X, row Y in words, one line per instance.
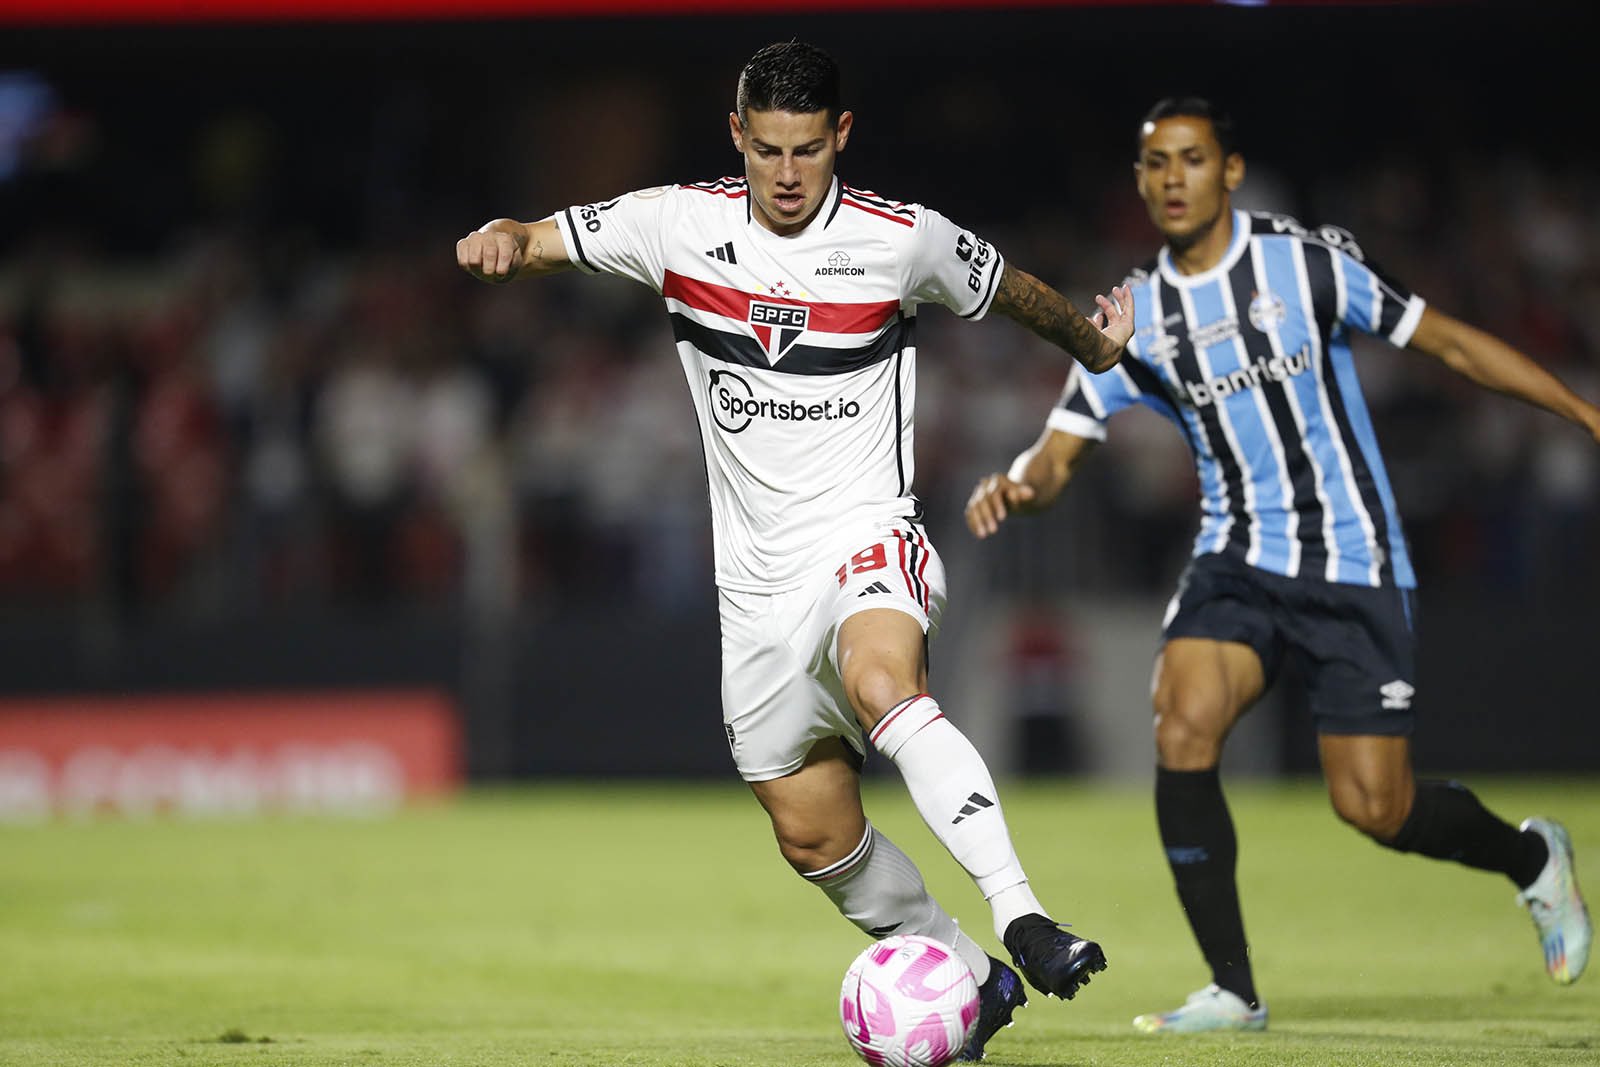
column 1557, row 907
column 1212, row 1008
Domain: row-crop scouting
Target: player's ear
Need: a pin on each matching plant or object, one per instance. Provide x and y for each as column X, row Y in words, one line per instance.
column 736, row 131
column 841, row 130
column 1233, row 171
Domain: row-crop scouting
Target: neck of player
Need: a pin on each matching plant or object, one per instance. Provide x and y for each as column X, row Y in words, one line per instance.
column 1198, row 252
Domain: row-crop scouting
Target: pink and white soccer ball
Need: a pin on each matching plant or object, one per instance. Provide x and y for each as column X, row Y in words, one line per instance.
column 908, row 1001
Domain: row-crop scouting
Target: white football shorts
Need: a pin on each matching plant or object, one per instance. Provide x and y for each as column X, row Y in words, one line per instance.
column 781, row 691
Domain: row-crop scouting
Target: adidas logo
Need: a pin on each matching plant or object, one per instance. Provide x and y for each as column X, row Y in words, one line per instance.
column 723, row 253
column 975, row 803
column 875, row 587
column 1396, row 695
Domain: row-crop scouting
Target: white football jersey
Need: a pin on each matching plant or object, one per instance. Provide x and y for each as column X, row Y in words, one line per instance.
column 800, row 352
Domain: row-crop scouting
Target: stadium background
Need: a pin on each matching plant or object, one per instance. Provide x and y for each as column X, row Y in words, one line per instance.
column 258, row 434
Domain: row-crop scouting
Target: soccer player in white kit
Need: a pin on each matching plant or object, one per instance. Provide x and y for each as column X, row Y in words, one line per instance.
column 793, row 299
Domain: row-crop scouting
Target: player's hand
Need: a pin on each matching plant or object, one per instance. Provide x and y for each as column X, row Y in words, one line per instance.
column 1115, row 317
column 992, row 499
column 490, row 255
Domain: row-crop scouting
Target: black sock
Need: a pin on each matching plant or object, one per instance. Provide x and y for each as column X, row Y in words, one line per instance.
column 1197, row 832
column 1447, row 822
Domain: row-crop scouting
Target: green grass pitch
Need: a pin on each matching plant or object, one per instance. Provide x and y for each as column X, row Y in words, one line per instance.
column 656, row 924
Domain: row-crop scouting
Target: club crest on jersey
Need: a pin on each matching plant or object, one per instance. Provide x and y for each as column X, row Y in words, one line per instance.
column 1267, row 311
column 778, row 326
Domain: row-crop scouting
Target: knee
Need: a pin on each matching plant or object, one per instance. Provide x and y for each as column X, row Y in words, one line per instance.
column 1187, row 736
column 873, row 689
column 810, row 848
column 1374, row 809
column 805, row 853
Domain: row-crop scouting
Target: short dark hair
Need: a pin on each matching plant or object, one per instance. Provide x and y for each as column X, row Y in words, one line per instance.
column 1192, row 107
column 789, row 76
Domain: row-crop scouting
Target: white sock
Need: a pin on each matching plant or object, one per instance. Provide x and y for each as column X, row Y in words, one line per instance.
column 952, row 789
column 878, row 888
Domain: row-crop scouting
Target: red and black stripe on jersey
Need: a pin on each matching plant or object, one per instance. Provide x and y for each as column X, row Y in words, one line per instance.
column 914, row 558
column 873, row 204
column 884, row 331
column 733, row 188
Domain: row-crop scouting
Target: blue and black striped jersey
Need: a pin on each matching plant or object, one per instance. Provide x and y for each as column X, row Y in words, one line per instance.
column 1252, row 361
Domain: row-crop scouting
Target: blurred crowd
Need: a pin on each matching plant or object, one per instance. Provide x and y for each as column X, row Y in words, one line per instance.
column 241, row 417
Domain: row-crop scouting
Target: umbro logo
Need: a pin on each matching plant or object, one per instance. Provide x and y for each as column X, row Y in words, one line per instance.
column 1163, row 349
column 723, row 253
column 1396, row 695
column 875, row 587
column 975, row 803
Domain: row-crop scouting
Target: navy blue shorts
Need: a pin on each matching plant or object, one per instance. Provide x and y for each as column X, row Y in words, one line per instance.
column 1356, row 645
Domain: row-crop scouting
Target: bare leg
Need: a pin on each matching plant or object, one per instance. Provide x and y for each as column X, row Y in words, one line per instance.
column 883, row 666
column 823, row 833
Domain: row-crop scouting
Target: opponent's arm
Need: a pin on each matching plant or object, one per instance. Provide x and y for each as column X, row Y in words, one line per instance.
column 1035, row 480
column 504, row 249
column 1047, row 313
column 1493, row 364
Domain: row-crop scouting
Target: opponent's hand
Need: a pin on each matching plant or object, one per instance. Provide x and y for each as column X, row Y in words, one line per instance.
column 1115, row 317
column 992, row 500
column 490, row 255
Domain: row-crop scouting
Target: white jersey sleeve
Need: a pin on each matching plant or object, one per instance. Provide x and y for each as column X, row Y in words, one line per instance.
column 951, row 266
column 625, row 236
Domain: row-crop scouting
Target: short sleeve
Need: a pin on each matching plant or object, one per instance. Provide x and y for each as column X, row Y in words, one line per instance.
column 951, row 266
column 1372, row 302
column 1089, row 400
column 625, row 236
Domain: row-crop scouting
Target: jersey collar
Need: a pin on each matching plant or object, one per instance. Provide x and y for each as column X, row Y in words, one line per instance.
column 1236, row 247
column 829, row 210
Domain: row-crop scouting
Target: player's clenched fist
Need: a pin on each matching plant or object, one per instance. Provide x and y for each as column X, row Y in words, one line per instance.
column 993, row 498
column 504, row 249
column 491, row 254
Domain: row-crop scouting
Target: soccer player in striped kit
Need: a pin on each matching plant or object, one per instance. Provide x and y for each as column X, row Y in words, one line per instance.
column 1242, row 340
column 793, row 299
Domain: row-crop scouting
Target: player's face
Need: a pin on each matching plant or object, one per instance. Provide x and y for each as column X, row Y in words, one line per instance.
column 1183, row 177
column 788, row 160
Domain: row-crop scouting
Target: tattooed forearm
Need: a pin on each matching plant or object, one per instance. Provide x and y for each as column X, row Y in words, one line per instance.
column 1047, row 313
column 537, row 252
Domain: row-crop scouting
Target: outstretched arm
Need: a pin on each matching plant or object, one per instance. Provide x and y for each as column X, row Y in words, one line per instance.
column 1493, row 364
column 504, row 249
column 1047, row 313
column 1035, row 480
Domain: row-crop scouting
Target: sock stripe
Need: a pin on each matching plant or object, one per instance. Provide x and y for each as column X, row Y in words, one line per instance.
column 895, row 712
column 857, row 857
